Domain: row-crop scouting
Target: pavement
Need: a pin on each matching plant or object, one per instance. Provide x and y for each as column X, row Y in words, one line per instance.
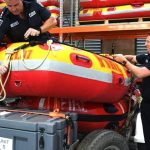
column 133, row 146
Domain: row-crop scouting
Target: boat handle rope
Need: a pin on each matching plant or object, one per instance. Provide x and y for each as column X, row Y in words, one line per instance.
column 3, row 84
column 7, row 63
column 49, row 42
column 110, row 57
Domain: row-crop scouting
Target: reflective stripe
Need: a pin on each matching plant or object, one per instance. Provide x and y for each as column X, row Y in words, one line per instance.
column 61, row 67
column 85, row 14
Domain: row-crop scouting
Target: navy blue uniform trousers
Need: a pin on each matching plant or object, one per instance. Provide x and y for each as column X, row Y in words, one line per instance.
column 145, row 116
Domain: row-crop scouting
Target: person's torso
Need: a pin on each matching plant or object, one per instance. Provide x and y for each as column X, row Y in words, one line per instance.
column 145, row 61
column 18, row 26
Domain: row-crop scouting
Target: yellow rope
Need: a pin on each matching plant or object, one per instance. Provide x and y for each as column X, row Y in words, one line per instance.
column 7, row 63
column 8, row 54
column 3, row 84
column 49, row 42
column 2, row 90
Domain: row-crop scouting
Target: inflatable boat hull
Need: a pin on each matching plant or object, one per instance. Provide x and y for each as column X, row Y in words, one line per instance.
column 66, row 72
column 118, row 12
column 109, row 3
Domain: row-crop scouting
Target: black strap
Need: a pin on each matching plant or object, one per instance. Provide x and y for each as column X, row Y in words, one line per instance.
column 31, row 43
column 100, row 118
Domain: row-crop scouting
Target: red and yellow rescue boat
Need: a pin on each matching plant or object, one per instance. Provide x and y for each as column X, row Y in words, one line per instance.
column 49, row 2
column 116, row 12
column 90, row 115
column 109, row 3
column 66, row 72
column 53, row 9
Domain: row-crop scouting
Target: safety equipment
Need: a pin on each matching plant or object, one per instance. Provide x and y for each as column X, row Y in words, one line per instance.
column 63, row 71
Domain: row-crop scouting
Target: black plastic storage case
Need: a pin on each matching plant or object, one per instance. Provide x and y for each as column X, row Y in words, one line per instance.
column 23, row 131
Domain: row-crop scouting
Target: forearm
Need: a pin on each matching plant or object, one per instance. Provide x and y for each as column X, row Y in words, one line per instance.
column 48, row 24
column 137, row 71
column 131, row 58
column 140, row 72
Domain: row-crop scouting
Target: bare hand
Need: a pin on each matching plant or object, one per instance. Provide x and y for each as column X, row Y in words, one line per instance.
column 119, row 57
column 3, row 69
column 31, row 32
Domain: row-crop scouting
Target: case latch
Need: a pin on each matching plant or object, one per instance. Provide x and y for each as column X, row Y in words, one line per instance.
column 41, row 140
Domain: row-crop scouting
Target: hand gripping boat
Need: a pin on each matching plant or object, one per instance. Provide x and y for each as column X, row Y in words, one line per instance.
column 63, row 71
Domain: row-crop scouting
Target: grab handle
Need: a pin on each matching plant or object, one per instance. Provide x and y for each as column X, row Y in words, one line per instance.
column 137, row 5
column 81, row 60
column 85, row 59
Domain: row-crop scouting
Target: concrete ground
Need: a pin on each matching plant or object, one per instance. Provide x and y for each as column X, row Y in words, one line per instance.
column 133, row 146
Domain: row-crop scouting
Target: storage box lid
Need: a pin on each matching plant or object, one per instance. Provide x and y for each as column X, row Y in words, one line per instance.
column 32, row 122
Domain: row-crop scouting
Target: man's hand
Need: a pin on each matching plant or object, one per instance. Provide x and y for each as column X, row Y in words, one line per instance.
column 119, row 57
column 31, row 32
column 3, row 69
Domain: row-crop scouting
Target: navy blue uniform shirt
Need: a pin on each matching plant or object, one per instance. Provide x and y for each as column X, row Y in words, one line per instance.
column 144, row 60
column 15, row 27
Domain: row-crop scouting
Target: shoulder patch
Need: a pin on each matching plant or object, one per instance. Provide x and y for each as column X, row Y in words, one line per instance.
column 14, row 24
column 31, row 14
column 1, row 22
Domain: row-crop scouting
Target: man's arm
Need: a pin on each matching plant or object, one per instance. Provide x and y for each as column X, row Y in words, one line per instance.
column 140, row 72
column 48, row 22
column 131, row 58
column 47, row 25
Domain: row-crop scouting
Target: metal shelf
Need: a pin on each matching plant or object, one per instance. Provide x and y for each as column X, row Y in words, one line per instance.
column 100, row 31
column 125, row 30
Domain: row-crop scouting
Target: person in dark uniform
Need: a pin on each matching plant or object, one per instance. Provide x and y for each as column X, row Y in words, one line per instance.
column 144, row 73
column 25, row 21
column 22, row 21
